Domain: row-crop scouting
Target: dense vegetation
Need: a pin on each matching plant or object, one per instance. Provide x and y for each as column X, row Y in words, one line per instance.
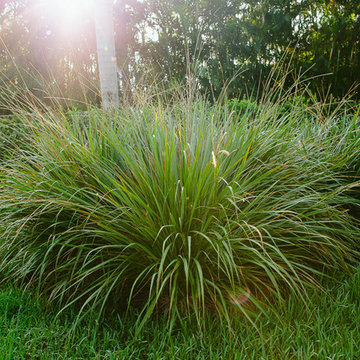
column 215, row 214
column 185, row 208
column 218, row 40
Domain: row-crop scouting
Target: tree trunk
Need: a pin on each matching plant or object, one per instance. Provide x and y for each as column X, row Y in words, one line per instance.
column 104, row 25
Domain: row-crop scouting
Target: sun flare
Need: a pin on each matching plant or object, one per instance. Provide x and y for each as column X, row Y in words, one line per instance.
column 70, row 13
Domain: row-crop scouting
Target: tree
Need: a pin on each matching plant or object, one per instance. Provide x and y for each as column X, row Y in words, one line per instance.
column 41, row 51
column 104, row 25
column 161, row 40
column 247, row 38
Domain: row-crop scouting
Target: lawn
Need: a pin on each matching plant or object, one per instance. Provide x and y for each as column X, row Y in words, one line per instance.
column 329, row 329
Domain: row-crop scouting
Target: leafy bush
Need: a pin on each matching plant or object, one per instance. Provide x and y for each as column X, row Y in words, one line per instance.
column 179, row 208
column 244, row 107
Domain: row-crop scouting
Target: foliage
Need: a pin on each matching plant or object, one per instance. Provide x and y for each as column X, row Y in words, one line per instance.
column 242, row 40
column 171, row 41
column 39, row 50
column 328, row 44
column 180, row 208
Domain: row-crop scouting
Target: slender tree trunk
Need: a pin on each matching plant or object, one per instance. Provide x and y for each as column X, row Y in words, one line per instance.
column 104, row 25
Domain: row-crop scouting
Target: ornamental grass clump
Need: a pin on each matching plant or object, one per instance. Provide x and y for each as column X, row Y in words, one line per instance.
column 181, row 208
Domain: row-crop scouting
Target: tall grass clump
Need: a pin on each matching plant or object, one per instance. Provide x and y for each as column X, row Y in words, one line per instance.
column 180, row 208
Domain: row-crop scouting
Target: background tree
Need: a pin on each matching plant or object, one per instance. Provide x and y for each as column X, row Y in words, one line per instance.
column 228, row 37
column 104, row 24
column 162, row 40
column 41, row 49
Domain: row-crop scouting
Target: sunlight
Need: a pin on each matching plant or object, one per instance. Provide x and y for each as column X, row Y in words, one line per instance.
column 72, row 10
column 70, row 13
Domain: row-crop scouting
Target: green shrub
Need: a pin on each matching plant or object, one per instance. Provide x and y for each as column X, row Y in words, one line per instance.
column 179, row 208
column 244, row 107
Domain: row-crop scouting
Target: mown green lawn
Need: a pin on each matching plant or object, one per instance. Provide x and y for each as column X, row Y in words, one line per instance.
column 330, row 329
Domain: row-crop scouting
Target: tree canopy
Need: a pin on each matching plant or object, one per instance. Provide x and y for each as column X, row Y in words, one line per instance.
column 162, row 39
